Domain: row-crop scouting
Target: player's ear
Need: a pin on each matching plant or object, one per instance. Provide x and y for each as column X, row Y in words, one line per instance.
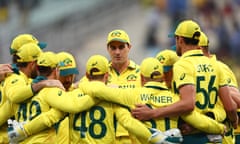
column 142, row 80
column 57, row 72
column 129, row 46
column 106, row 77
column 87, row 75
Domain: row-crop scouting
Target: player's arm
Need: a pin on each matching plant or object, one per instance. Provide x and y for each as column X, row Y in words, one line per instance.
column 133, row 126
column 203, row 123
column 73, row 102
column 36, row 87
column 5, row 69
column 235, row 96
column 5, row 112
column 43, row 121
column 186, row 104
column 225, row 96
column 16, row 89
column 99, row 90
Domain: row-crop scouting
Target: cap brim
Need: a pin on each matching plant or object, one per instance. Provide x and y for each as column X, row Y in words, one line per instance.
column 171, row 35
column 117, row 39
column 12, row 51
column 65, row 72
column 42, row 45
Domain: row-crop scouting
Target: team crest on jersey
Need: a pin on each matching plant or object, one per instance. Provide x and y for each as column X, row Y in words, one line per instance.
column 81, row 94
column 228, row 80
column 182, row 76
column 14, row 81
column 59, row 93
column 109, row 79
column 131, row 77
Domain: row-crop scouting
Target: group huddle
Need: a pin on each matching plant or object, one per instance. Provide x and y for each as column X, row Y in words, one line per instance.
column 182, row 95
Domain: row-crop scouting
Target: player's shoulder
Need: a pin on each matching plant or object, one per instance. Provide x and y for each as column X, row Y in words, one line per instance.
column 223, row 65
column 133, row 65
column 12, row 79
column 51, row 91
column 183, row 63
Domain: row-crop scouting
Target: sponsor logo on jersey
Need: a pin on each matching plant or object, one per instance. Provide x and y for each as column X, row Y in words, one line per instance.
column 59, row 93
column 14, row 81
column 131, row 77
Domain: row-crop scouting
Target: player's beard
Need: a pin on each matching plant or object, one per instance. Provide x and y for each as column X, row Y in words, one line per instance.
column 178, row 51
column 34, row 74
column 67, row 85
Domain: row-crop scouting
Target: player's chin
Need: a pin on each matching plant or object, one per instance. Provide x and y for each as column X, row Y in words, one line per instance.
column 118, row 60
column 67, row 85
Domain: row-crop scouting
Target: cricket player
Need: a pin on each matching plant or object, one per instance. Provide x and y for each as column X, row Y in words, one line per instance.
column 5, row 107
column 167, row 58
column 17, row 85
column 197, row 81
column 17, row 42
column 97, row 70
column 47, row 64
column 233, row 86
column 67, row 72
column 97, row 123
column 123, row 72
column 147, row 94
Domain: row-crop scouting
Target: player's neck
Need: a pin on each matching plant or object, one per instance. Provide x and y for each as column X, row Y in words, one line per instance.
column 26, row 71
column 120, row 67
column 189, row 47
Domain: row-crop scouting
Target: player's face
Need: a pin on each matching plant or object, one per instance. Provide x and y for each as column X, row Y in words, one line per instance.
column 118, row 52
column 168, row 78
column 178, row 46
column 67, row 80
column 34, row 70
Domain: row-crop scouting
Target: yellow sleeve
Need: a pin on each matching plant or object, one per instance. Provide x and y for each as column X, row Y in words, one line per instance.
column 231, row 76
column 5, row 112
column 203, row 123
column 16, row 89
column 73, row 102
column 43, row 121
column 124, row 97
column 63, row 132
column 131, row 124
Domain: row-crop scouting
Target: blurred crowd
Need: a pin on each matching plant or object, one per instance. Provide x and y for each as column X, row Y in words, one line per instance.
column 218, row 18
column 24, row 7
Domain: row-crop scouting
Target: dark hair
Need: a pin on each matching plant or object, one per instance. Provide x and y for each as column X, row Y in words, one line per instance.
column 19, row 64
column 193, row 40
column 14, row 58
column 95, row 77
column 156, row 73
column 45, row 71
